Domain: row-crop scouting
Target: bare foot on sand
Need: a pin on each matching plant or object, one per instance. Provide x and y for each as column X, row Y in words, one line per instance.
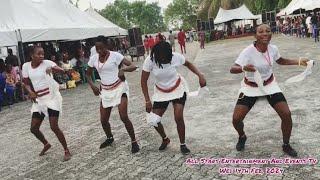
column 45, row 149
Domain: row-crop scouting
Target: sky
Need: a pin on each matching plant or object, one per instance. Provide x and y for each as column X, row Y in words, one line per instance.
column 100, row 4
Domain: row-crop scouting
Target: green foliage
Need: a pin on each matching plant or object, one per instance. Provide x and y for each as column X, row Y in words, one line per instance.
column 139, row 13
column 210, row 8
column 183, row 11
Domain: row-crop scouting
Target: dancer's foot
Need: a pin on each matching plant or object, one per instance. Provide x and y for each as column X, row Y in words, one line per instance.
column 164, row 144
column 184, row 150
column 67, row 155
column 45, row 149
column 241, row 143
column 106, row 143
column 135, row 147
column 289, row 150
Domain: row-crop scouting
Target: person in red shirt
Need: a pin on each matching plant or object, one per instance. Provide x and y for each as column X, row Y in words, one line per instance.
column 182, row 41
column 146, row 44
column 151, row 42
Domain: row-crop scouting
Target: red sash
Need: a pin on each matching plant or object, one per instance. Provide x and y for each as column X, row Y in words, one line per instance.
column 170, row 89
column 111, row 86
column 42, row 92
column 253, row 84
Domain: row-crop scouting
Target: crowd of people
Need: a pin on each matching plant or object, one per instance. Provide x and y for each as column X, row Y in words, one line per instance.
column 301, row 26
column 72, row 57
column 10, row 86
column 182, row 37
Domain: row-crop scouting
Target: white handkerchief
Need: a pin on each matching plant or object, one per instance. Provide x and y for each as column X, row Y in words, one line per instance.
column 153, row 119
column 201, row 92
column 258, row 79
column 303, row 75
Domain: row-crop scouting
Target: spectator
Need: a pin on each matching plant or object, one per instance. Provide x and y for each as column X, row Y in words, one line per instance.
column 11, row 81
column 11, row 59
column 2, row 81
column 171, row 39
column 146, row 44
column 151, row 42
column 314, row 21
column 182, row 41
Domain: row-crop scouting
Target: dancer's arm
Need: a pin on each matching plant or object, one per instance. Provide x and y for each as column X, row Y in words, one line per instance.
column 94, row 88
column 237, row 69
column 129, row 66
column 195, row 70
column 27, row 86
column 300, row 62
column 144, row 86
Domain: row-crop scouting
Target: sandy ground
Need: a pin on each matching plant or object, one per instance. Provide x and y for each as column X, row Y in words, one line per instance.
column 209, row 131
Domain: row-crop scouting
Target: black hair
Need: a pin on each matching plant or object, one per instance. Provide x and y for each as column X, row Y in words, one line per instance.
column 32, row 49
column 103, row 40
column 2, row 66
column 10, row 51
column 164, row 49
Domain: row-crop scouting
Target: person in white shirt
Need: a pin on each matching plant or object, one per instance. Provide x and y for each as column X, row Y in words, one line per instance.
column 45, row 95
column 258, row 58
column 114, row 90
column 169, row 87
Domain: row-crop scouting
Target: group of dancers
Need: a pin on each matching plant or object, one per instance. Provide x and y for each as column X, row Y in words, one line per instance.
column 169, row 86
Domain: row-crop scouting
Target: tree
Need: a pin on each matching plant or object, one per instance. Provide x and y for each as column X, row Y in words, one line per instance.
column 209, row 8
column 182, row 10
column 283, row 3
column 146, row 16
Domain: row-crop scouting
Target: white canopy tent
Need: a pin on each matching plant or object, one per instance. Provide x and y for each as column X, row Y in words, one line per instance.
column 105, row 21
column 294, row 5
column 241, row 13
column 45, row 20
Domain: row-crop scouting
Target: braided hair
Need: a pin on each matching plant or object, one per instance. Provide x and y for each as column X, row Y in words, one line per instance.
column 161, row 53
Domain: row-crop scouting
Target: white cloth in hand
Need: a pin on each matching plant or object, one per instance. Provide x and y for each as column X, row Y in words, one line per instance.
column 303, row 75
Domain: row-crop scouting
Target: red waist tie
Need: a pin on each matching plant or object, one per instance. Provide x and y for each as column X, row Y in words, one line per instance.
column 170, row 89
column 111, row 86
column 253, row 84
column 42, row 92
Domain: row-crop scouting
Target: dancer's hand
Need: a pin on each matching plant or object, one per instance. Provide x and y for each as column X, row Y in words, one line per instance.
column 249, row 68
column 304, row 62
column 202, row 81
column 33, row 97
column 96, row 90
column 148, row 106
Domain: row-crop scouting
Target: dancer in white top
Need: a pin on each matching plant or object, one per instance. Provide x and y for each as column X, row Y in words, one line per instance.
column 260, row 57
column 114, row 90
column 169, row 87
column 47, row 101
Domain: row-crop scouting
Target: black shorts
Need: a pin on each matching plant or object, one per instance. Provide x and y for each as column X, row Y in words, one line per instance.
column 273, row 99
column 165, row 104
column 51, row 113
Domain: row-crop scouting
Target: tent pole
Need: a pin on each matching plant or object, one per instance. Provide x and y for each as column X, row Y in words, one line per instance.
column 19, row 47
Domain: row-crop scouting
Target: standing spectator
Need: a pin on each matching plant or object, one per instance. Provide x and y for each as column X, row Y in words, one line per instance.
column 309, row 25
column 182, row 41
column 171, row 38
column 146, row 44
column 202, row 38
column 151, row 42
column 314, row 22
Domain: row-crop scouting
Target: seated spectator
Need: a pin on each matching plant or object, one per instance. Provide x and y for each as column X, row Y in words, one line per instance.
column 78, row 65
column 11, row 81
column 63, row 78
column 2, row 81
